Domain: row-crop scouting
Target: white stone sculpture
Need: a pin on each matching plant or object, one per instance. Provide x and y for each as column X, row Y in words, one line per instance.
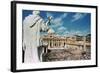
column 32, row 25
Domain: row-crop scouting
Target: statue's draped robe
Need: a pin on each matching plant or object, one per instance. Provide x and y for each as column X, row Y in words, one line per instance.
column 31, row 37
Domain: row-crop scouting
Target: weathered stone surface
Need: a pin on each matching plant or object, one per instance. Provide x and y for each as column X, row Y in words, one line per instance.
column 66, row 54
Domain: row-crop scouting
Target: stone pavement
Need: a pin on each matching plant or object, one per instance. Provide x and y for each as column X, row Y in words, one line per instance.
column 66, row 54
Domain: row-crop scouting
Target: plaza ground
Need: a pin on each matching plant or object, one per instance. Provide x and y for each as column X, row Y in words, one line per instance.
column 66, row 54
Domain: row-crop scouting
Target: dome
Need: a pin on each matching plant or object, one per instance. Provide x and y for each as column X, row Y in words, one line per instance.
column 51, row 31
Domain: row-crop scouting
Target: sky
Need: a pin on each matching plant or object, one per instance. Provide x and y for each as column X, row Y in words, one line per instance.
column 66, row 23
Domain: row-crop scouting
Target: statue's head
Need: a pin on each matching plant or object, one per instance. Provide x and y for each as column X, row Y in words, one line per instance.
column 36, row 12
column 50, row 17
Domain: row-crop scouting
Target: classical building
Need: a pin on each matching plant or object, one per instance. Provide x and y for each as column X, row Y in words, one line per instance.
column 60, row 42
column 54, row 41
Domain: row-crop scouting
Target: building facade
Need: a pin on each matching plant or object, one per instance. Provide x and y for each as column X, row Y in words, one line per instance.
column 58, row 42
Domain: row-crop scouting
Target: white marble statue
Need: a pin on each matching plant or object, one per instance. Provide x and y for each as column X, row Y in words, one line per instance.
column 32, row 25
